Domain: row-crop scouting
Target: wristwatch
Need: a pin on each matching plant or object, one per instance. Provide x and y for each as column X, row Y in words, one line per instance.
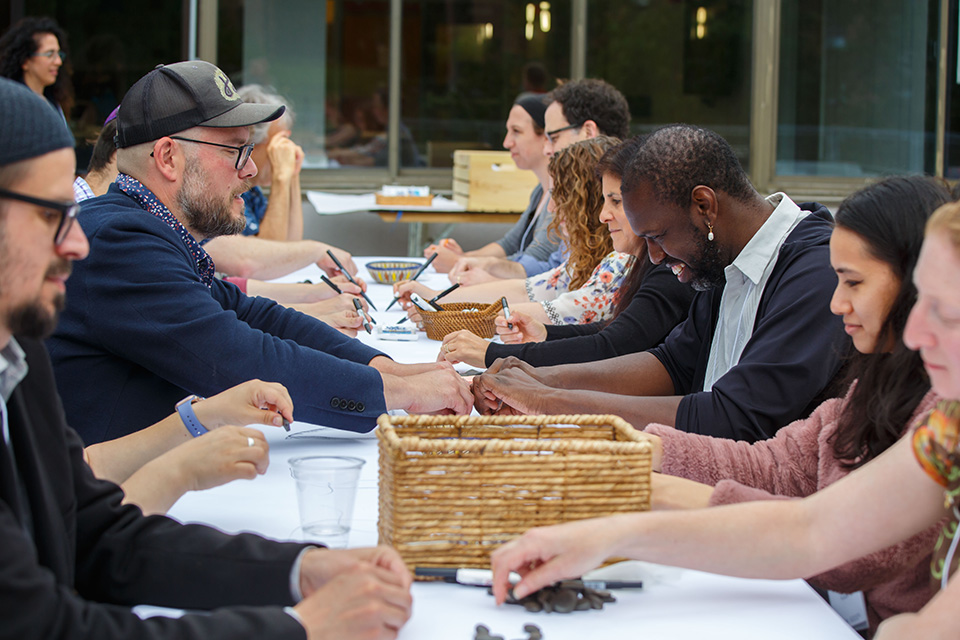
column 185, row 409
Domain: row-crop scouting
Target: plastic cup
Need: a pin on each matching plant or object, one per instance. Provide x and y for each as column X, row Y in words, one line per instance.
column 326, row 491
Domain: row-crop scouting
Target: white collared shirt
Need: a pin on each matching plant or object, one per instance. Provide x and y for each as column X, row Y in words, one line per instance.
column 746, row 279
column 13, row 369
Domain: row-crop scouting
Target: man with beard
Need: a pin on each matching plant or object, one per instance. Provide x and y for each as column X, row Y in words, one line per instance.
column 147, row 323
column 759, row 347
column 72, row 557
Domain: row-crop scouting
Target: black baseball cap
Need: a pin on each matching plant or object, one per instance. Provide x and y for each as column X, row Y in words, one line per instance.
column 176, row 97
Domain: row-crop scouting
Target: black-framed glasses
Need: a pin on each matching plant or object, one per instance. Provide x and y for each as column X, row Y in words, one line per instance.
column 552, row 135
column 50, row 54
column 66, row 210
column 243, row 152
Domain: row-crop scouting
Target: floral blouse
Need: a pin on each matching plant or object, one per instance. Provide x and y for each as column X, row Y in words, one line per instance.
column 935, row 445
column 592, row 302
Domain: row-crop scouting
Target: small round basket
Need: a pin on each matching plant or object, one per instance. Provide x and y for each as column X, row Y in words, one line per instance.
column 391, row 272
column 454, row 317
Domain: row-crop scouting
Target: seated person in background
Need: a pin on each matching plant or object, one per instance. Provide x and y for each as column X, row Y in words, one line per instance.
column 759, row 348
column 148, row 323
column 191, row 452
column 319, row 300
column 279, row 160
column 73, row 557
column 577, row 110
column 528, row 240
column 897, row 495
column 649, row 304
column 873, row 249
column 583, row 288
column 102, row 169
column 374, row 152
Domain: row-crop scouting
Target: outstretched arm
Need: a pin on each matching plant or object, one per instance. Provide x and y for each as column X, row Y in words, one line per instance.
column 767, row 539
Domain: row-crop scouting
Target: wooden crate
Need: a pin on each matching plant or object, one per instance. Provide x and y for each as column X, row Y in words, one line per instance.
column 453, row 488
column 491, row 181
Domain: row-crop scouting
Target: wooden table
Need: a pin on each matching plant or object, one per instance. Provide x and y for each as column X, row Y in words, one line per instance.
column 442, row 211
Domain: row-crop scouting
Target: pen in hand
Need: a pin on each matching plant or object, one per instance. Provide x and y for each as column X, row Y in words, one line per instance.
column 363, row 316
column 433, row 301
column 506, row 312
column 416, row 275
column 347, row 275
column 330, row 284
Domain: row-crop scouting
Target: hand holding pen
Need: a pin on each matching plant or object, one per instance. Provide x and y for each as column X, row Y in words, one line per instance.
column 416, row 275
column 349, row 277
column 433, row 301
column 506, row 311
column 366, row 317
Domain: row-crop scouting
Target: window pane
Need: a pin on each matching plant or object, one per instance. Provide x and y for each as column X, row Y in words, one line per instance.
column 288, row 46
column 103, row 59
column 464, row 63
column 677, row 62
column 857, row 87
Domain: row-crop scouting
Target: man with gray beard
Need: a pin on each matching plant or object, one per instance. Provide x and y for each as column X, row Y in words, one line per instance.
column 147, row 323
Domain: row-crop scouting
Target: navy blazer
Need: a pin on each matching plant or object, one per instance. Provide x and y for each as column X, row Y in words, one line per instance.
column 141, row 331
column 88, row 553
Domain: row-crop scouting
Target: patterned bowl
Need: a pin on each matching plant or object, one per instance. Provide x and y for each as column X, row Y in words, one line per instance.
column 390, row 272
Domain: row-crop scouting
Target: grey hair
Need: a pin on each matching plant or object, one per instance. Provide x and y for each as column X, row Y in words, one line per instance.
column 258, row 94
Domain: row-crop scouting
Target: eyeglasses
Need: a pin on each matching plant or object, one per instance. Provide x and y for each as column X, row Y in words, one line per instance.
column 243, row 152
column 67, row 211
column 553, row 134
column 50, row 54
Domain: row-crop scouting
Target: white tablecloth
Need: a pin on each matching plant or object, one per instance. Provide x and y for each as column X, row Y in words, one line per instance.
column 674, row 603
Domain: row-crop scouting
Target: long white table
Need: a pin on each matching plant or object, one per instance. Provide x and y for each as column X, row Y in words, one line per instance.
column 675, row 604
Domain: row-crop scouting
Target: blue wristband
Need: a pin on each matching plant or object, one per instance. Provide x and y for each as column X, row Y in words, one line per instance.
column 185, row 409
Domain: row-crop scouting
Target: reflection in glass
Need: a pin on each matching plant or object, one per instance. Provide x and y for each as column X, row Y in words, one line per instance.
column 857, row 87
column 677, row 62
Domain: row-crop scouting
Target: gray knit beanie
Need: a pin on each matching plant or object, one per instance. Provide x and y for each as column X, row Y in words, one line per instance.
column 29, row 126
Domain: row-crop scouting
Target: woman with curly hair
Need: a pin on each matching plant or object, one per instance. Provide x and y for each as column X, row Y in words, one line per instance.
column 32, row 52
column 584, row 287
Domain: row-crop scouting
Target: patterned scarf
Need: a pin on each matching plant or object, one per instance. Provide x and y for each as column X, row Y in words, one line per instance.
column 146, row 199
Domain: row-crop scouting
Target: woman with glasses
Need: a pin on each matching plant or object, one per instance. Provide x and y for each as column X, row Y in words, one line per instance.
column 31, row 52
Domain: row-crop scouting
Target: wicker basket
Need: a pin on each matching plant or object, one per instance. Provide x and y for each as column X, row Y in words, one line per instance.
column 439, row 323
column 454, row 488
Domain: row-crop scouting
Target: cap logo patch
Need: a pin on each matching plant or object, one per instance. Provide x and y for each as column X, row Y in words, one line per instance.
column 225, row 86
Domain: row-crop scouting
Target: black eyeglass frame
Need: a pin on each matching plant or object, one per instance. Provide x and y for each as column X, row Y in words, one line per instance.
column 243, row 151
column 68, row 211
column 550, row 134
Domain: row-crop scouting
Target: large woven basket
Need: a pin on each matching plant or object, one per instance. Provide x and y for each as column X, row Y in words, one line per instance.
column 453, row 488
column 453, row 318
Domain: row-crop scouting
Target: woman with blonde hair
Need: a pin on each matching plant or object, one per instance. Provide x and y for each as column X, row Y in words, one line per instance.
column 584, row 287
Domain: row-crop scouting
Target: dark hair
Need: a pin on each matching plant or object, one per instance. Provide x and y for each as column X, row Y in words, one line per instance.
column 889, row 217
column 593, row 99
column 614, row 163
column 105, row 147
column 19, row 43
column 679, row 157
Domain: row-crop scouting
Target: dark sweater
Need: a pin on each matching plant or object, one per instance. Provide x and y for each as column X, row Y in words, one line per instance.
column 141, row 331
column 795, row 351
column 659, row 304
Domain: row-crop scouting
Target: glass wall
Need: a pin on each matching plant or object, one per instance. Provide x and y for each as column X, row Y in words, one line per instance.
column 677, row 62
column 857, row 87
column 109, row 48
column 463, row 62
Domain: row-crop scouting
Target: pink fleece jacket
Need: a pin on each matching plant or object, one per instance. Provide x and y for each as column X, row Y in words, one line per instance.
column 795, row 463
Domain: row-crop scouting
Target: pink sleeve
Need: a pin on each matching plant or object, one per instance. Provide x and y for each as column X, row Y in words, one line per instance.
column 240, row 282
column 787, row 465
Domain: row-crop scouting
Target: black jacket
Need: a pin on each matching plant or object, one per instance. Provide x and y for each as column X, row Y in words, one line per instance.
column 91, row 558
